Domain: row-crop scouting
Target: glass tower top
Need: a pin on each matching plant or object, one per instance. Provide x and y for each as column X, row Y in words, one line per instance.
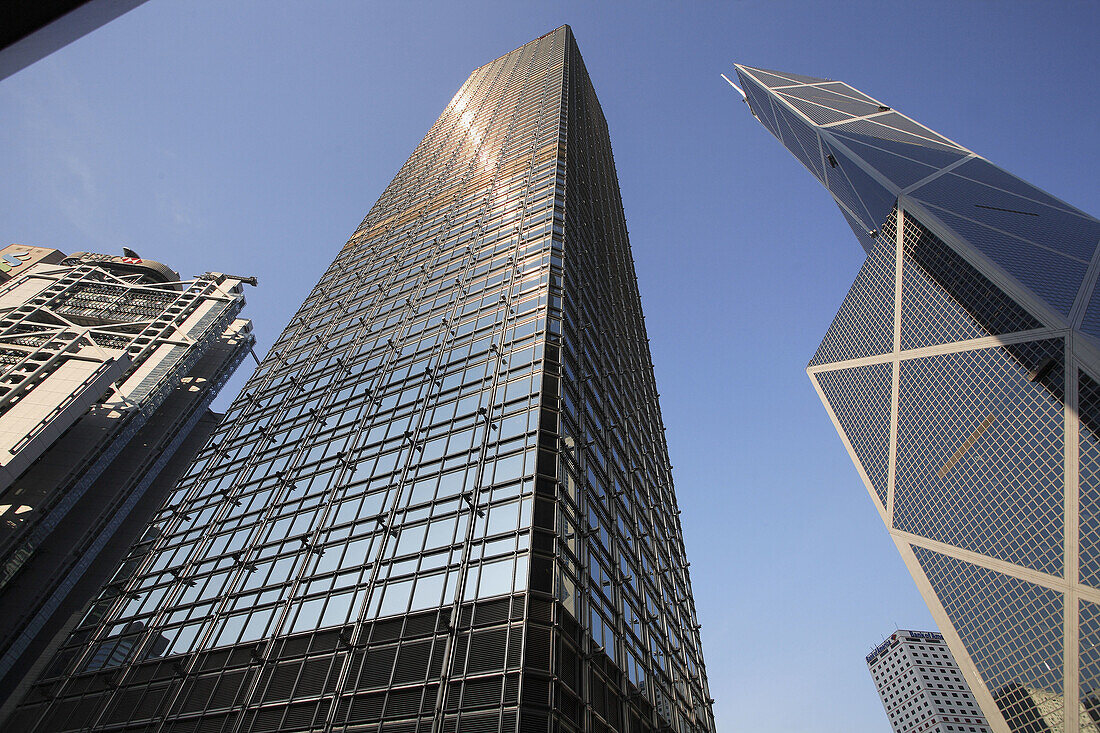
column 961, row 373
column 443, row 501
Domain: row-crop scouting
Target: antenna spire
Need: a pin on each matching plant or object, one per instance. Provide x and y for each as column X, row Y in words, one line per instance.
column 739, row 90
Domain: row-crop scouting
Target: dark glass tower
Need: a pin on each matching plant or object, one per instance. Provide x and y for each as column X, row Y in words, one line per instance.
column 963, row 374
column 443, row 501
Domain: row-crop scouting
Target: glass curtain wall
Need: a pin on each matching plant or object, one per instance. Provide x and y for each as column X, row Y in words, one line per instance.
column 439, row 504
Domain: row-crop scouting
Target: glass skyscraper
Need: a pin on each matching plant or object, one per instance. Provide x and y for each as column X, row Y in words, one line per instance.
column 963, row 375
column 443, row 502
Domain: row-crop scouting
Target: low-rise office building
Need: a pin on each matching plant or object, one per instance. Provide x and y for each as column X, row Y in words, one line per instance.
column 922, row 687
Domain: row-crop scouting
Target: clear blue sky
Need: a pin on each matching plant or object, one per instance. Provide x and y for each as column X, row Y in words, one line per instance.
column 252, row 137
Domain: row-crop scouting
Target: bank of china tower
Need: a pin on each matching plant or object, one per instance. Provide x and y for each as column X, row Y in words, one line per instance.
column 963, row 375
column 443, row 501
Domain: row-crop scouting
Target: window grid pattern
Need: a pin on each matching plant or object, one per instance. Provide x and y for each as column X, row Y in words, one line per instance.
column 379, row 461
column 860, row 397
column 832, row 100
column 935, row 157
column 921, row 686
column 1090, row 322
column 843, row 89
column 1088, row 411
column 862, row 235
column 777, row 79
column 801, row 140
column 944, row 299
column 1012, row 629
column 868, row 199
column 1052, row 276
column 627, row 624
column 980, row 456
column 982, row 171
column 899, row 169
column 1018, row 213
column 1089, row 666
column 817, row 112
column 913, row 136
column 761, row 105
column 864, row 325
column 841, row 185
column 368, row 540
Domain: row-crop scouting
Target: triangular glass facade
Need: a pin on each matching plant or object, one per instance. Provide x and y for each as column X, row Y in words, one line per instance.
column 860, row 399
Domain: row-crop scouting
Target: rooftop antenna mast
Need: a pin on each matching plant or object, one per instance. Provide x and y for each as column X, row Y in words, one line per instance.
column 739, row 90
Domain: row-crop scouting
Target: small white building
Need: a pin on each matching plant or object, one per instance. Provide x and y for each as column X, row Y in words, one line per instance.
column 921, row 687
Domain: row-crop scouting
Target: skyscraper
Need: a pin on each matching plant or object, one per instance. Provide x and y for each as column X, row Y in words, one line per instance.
column 108, row 367
column 921, row 687
column 963, row 375
column 443, row 501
